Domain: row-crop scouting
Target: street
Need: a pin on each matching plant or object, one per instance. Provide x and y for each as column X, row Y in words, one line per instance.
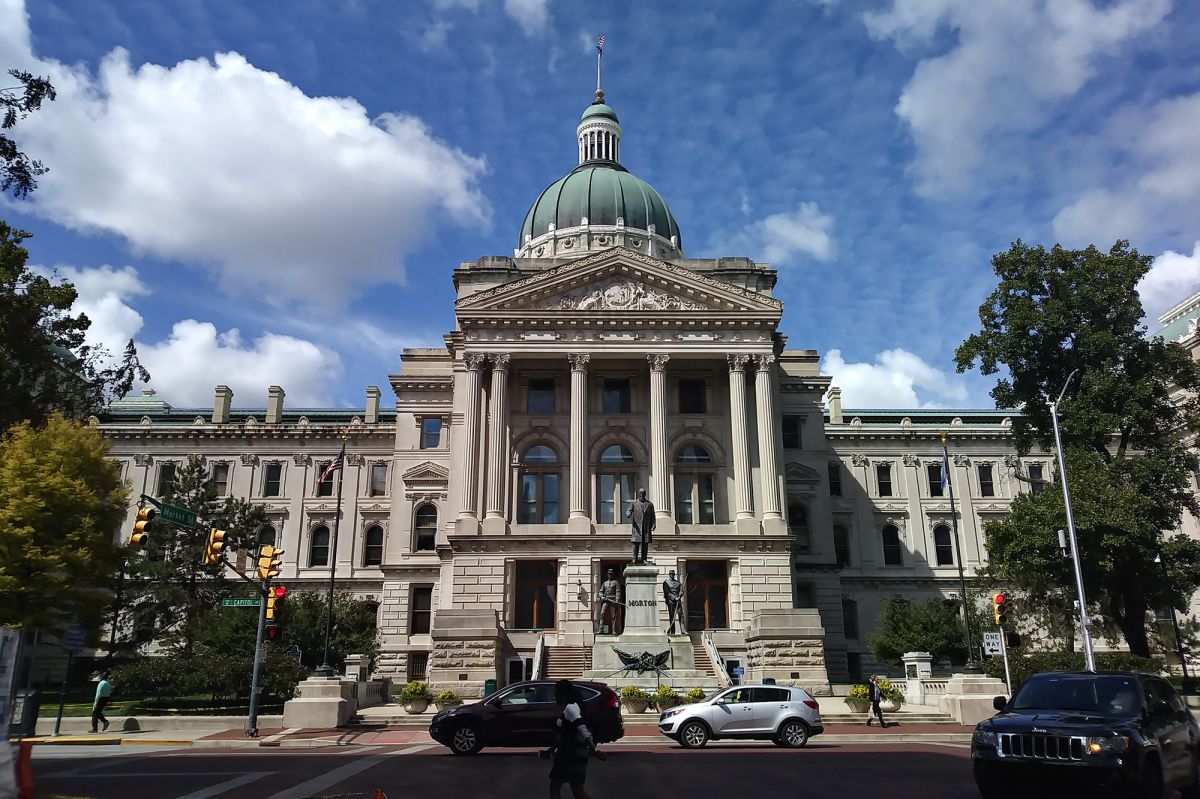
column 633, row 771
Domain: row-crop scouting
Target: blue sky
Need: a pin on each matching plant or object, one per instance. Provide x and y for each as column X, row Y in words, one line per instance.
column 275, row 192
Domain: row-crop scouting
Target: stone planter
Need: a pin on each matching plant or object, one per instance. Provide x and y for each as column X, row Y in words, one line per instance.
column 636, row 706
column 415, row 706
column 440, row 706
column 666, row 705
column 889, row 705
column 858, row 707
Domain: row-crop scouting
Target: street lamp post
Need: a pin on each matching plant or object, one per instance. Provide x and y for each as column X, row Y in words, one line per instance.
column 1084, row 620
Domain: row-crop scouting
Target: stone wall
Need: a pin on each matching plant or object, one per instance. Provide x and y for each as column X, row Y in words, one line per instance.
column 466, row 651
column 789, row 646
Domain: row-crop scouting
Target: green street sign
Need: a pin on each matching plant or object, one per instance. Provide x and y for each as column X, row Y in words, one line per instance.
column 252, row 602
column 174, row 513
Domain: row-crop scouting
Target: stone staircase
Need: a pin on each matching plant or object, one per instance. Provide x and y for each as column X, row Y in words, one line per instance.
column 703, row 660
column 566, row 662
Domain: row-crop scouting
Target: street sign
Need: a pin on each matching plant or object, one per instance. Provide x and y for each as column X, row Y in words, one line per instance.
column 174, row 513
column 737, row 671
column 239, row 602
column 991, row 644
column 73, row 639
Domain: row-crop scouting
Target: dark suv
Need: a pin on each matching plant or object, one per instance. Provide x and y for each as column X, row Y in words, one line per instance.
column 1127, row 732
column 525, row 714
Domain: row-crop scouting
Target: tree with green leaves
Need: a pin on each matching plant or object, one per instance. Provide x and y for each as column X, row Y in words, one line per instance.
column 18, row 173
column 355, row 627
column 934, row 626
column 61, row 499
column 1124, row 418
column 169, row 588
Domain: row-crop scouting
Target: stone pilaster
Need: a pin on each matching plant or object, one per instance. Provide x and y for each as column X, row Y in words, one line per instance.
column 470, row 476
column 660, row 492
column 579, row 364
column 737, row 417
column 768, row 453
column 498, row 448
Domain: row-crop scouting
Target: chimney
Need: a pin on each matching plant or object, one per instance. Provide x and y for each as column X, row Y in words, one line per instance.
column 372, row 414
column 221, row 403
column 274, row 405
column 835, row 405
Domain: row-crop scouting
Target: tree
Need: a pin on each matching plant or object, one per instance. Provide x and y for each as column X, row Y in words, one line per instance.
column 17, row 173
column 1056, row 312
column 169, row 587
column 934, row 626
column 355, row 627
column 61, row 498
column 45, row 366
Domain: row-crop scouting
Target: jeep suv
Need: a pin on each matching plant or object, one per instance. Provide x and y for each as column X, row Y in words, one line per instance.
column 1129, row 733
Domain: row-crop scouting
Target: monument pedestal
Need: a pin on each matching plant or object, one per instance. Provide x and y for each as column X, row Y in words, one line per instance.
column 322, row 702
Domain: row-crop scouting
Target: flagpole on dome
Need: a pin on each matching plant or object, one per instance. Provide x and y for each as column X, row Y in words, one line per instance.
column 971, row 667
column 599, row 55
column 325, row 670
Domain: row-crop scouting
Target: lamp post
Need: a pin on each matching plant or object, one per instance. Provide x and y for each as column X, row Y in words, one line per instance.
column 1089, row 656
column 1175, row 624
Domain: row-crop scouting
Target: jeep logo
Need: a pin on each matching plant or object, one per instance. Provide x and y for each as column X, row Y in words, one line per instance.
column 1038, row 729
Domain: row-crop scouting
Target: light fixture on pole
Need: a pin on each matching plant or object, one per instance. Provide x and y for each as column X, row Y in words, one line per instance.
column 1085, row 622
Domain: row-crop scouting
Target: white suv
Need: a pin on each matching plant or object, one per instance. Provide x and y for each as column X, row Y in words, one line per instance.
column 787, row 716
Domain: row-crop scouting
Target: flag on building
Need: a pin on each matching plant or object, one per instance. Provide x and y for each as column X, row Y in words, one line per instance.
column 945, row 470
column 600, row 43
column 331, row 468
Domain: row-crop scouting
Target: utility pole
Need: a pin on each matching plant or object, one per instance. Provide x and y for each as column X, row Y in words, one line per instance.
column 252, row 720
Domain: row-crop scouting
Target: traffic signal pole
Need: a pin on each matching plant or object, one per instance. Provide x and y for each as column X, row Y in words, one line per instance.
column 1004, row 654
column 252, row 721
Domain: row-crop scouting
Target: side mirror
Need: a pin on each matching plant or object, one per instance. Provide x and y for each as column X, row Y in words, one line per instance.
column 721, row 700
column 1000, row 702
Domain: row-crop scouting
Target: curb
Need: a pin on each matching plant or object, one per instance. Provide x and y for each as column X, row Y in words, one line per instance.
column 65, row 740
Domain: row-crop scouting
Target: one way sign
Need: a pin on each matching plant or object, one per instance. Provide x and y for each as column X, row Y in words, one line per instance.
column 991, row 644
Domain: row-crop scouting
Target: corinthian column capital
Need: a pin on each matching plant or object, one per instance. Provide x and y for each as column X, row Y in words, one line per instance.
column 579, row 361
column 658, row 361
column 737, row 363
column 765, row 361
column 499, row 361
column 474, row 361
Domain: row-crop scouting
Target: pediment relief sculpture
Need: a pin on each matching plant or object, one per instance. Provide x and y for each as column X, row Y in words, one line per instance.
column 619, row 295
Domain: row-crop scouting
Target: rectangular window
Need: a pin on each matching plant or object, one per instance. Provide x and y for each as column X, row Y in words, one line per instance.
column 272, row 477
column 792, row 437
column 684, row 484
column 220, row 478
column 536, row 586
column 166, row 478
column 692, row 398
column 986, row 487
column 420, row 612
column 835, row 479
column 540, row 398
column 708, row 505
column 695, row 502
column 934, row 472
column 431, row 432
column 1036, row 484
column 378, row 479
column 841, row 545
column 883, row 478
column 850, row 619
column 607, row 500
column 806, row 596
column 519, row 670
column 617, row 396
column 418, row 665
column 325, row 487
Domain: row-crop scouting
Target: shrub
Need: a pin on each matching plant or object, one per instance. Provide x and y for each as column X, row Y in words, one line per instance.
column 891, row 692
column 447, row 698
column 631, row 693
column 695, row 695
column 1024, row 665
column 858, row 694
column 665, row 694
column 414, row 691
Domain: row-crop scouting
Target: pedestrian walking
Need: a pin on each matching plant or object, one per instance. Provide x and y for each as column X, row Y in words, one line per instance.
column 573, row 745
column 875, row 694
column 103, row 697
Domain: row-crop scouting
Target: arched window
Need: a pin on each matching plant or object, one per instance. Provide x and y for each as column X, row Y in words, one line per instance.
column 841, row 545
column 540, row 475
column 892, row 550
column 425, row 528
column 695, row 500
column 943, row 545
column 318, row 547
column 615, row 486
column 373, row 546
column 265, row 537
column 798, row 524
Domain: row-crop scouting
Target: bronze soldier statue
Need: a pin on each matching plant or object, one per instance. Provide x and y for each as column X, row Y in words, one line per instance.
column 673, row 596
column 641, row 511
column 610, row 600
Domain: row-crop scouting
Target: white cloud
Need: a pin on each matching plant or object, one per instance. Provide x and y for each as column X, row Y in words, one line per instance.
column 892, row 381
column 587, row 42
column 231, row 167
column 778, row 238
column 1161, row 190
column 102, row 292
column 531, row 15
column 1173, row 278
column 434, row 36
column 1012, row 63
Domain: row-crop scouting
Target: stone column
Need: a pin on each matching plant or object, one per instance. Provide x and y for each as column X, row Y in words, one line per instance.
column 659, row 482
column 579, row 364
column 470, row 474
column 737, row 416
column 498, row 448
column 768, row 453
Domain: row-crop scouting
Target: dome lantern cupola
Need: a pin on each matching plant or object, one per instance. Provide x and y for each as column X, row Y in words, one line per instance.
column 599, row 132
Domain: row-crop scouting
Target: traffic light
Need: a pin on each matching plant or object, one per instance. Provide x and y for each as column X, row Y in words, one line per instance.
column 275, row 608
column 1012, row 640
column 268, row 562
column 142, row 526
column 1000, row 609
column 215, row 547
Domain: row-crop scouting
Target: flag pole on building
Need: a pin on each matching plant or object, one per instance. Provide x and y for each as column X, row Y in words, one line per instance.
column 948, row 485
column 325, row 670
column 599, row 55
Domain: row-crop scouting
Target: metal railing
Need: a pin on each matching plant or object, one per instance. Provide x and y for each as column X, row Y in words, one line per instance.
column 710, row 647
column 539, row 655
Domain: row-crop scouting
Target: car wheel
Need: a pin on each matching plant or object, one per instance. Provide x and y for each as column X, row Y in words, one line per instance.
column 1151, row 786
column 693, row 735
column 465, row 740
column 793, row 734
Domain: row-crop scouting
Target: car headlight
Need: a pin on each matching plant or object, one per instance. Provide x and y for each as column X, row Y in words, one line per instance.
column 675, row 711
column 984, row 738
column 1107, row 744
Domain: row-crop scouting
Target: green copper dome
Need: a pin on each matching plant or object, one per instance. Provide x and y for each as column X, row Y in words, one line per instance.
column 599, row 110
column 601, row 191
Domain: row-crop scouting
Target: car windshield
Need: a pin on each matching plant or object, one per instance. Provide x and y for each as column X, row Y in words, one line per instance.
column 1079, row 693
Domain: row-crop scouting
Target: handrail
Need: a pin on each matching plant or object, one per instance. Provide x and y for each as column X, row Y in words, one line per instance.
column 710, row 646
column 539, row 653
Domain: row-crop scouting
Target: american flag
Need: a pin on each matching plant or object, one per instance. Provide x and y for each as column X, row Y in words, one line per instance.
column 600, row 43
column 331, row 468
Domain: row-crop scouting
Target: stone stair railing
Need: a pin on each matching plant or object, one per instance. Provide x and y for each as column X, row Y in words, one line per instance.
column 714, row 657
column 539, row 657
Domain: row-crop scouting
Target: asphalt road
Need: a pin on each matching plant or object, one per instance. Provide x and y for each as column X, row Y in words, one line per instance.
column 663, row 771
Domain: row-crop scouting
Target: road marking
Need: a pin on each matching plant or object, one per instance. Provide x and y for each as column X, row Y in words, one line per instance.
column 222, row 787
column 149, row 774
column 329, row 779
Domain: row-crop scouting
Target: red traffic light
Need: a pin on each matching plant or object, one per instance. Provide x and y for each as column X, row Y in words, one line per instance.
column 999, row 599
column 280, row 592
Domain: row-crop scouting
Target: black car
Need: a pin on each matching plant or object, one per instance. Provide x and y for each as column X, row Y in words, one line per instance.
column 1129, row 733
column 525, row 714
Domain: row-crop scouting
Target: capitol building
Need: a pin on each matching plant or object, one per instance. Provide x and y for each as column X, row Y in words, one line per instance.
column 597, row 359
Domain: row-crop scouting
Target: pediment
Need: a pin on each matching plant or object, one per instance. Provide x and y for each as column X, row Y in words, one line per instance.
column 426, row 473
column 618, row 280
column 799, row 473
